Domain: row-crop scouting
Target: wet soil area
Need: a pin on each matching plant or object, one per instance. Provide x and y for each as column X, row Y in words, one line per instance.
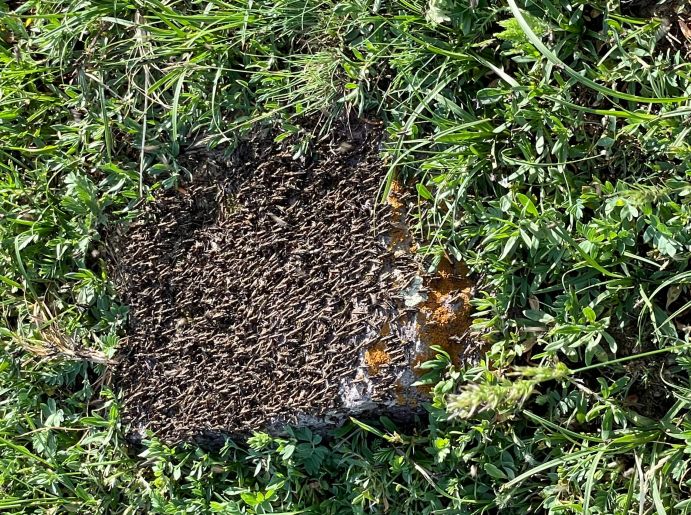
column 270, row 291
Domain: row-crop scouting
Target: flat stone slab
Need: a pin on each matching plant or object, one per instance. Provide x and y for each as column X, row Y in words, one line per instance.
column 270, row 291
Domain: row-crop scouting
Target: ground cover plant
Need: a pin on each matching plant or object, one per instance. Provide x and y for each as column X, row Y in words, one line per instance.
column 547, row 144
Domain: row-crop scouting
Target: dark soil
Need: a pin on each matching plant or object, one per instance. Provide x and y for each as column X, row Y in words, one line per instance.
column 255, row 290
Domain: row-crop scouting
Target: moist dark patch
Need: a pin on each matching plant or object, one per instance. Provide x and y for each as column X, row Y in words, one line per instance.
column 254, row 290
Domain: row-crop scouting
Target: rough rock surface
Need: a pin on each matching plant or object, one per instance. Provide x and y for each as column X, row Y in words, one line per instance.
column 272, row 291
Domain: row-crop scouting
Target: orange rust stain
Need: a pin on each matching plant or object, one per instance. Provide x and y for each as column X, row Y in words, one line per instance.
column 398, row 233
column 446, row 312
column 445, row 315
column 395, row 195
column 375, row 357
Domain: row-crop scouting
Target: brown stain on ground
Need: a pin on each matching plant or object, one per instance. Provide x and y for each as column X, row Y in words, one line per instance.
column 443, row 319
column 375, row 357
column 394, row 199
column 400, row 238
column 445, row 316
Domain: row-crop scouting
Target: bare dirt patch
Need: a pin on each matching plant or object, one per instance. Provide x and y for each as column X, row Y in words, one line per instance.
column 269, row 291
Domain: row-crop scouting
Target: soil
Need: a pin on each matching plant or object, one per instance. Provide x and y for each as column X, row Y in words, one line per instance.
column 267, row 291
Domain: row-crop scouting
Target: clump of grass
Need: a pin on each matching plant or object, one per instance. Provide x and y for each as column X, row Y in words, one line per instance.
column 548, row 142
column 504, row 396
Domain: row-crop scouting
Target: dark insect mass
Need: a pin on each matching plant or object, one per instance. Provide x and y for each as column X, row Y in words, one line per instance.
column 255, row 289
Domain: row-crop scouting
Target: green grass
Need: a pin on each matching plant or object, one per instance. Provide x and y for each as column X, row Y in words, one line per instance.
column 550, row 150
